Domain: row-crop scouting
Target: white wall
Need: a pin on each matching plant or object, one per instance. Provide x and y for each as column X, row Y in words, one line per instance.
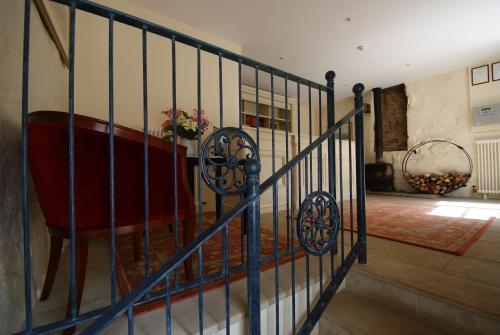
column 346, row 105
column 91, row 70
column 47, row 90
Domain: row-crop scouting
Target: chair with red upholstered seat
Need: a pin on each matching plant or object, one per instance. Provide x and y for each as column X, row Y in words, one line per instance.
column 49, row 167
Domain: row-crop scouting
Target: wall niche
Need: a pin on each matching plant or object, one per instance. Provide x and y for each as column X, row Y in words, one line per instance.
column 394, row 122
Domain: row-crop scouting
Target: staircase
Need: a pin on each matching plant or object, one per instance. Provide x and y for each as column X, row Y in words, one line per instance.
column 387, row 296
column 352, row 313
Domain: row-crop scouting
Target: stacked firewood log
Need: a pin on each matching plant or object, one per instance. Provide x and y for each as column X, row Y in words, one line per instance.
column 437, row 184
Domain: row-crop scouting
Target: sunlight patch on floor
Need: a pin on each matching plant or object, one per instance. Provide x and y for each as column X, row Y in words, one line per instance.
column 467, row 210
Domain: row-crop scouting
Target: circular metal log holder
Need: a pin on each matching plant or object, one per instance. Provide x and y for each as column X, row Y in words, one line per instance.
column 415, row 151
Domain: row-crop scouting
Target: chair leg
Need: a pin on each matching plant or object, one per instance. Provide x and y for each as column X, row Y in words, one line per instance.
column 54, row 257
column 188, row 236
column 137, row 246
column 82, row 249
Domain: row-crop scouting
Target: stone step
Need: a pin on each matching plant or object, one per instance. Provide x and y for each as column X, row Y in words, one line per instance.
column 352, row 314
column 452, row 304
column 184, row 313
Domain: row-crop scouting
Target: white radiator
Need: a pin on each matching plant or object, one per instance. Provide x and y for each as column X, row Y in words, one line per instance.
column 488, row 157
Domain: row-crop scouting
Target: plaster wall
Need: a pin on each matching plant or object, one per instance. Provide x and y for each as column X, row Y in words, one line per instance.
column 439, row 107
column 488, row 93
column 346, row 105
column 485, row 94
column 47, row 90
column 91, row 70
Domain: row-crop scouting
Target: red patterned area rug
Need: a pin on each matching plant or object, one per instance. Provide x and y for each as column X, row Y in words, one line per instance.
column 450, row 229
column 130, row 272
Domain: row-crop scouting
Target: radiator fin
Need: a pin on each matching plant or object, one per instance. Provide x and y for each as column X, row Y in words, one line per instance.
column 488, row 152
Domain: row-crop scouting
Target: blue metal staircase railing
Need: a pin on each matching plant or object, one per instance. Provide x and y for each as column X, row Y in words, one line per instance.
column 251, row 204
column 320, row 224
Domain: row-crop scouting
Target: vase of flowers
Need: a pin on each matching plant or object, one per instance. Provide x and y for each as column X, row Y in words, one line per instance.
column 187, row 127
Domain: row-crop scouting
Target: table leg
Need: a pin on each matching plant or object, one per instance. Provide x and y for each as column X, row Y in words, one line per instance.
column 218, row 197
column 191, row 163
column 190, row 174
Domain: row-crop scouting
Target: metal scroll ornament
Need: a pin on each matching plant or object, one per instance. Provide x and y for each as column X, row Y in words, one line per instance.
column 223, row 155
column 318, row 223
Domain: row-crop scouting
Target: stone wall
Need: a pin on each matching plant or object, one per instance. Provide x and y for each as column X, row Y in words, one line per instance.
column 438, row 108
column 48, row 90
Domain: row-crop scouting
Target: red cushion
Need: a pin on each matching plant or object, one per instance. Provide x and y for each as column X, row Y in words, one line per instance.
column 48, row 159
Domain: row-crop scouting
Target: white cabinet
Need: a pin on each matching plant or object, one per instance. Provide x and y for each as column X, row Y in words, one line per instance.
column 265, row 140
column 266, row 161
column 250, row 109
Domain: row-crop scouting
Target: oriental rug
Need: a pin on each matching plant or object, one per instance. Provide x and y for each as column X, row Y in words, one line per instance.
column 130, row 272
column 448, row 229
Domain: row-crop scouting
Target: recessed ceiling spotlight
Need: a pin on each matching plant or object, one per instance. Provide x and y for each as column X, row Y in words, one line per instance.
column 361, row 47
column 347, row 19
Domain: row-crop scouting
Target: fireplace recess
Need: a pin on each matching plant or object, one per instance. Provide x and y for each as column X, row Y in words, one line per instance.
column 379, row 175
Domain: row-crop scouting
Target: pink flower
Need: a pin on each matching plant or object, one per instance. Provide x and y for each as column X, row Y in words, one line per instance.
column 203, row 118
column 166, row 123
column 169, row 112
column 181, row 117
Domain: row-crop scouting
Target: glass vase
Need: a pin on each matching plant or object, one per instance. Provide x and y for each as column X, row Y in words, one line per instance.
column 189, row 144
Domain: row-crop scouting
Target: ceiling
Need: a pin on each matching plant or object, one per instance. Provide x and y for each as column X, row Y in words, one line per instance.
column 405, row 40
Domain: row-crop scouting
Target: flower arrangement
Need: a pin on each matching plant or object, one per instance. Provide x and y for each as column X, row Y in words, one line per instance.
column 187, row 125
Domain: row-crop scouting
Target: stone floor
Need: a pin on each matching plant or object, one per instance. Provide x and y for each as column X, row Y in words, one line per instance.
column 472, row 279
column 446, row 291
column 480, row 263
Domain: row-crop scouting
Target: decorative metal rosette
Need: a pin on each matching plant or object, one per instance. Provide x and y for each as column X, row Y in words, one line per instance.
column 223, row 155
column 318, row 223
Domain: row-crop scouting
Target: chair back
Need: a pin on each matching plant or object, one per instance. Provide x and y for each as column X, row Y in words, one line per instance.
column 49, row 167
